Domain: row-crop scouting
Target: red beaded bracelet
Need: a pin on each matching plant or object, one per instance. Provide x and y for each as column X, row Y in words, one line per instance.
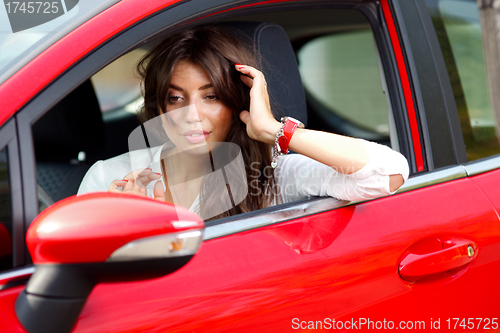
column 283, row 137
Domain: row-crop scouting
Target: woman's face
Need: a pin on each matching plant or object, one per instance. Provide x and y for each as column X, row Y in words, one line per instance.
column 194, row 115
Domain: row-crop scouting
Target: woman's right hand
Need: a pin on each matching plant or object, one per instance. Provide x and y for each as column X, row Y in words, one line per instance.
column 135, row 183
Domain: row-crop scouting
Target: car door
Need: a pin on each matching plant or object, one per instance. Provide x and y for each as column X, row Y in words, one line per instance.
column 313, row 262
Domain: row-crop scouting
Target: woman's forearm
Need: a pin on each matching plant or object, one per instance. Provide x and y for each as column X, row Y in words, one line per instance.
column 344, row 154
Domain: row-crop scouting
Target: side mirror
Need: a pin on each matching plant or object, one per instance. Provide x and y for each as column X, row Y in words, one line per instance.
column 100, row 237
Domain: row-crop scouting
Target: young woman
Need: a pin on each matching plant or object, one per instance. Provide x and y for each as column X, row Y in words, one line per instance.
column 202, row 84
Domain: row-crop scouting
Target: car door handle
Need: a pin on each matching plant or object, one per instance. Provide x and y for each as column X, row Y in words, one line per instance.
column 436, row 255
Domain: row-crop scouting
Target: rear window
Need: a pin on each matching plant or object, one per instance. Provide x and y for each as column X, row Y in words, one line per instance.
column 457, row 24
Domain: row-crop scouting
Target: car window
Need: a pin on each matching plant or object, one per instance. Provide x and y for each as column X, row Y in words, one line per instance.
column 458, row 29
column 6, row 260
column 68, row 143
column 341, row 76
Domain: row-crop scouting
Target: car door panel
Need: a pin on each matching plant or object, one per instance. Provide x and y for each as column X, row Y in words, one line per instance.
column 9, row 322
column 488, row 182
column 256, row 280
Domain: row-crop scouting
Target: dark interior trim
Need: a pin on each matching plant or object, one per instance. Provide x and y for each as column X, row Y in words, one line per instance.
column 8, row 139
column 430, row 83
column 447, row 90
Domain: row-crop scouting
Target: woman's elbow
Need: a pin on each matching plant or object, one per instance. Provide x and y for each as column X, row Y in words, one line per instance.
column 395, row 182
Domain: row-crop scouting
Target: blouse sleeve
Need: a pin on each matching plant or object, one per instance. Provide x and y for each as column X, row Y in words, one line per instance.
column 300, row 177
column 94, row 180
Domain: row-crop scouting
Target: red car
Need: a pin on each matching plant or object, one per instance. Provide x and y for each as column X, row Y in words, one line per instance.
column 409, row 74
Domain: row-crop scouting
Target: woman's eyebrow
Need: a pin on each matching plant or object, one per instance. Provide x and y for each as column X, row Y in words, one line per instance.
column 206, row 86
column 175, row 87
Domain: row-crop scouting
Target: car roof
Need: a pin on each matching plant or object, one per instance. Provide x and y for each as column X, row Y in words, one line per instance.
column 21, row 39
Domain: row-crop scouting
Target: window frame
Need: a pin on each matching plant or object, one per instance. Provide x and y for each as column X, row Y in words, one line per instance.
column 8, row 139
column 433, row 96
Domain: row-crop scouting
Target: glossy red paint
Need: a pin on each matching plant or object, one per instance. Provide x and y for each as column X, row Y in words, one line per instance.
column 488, row 182
column 405, row 82
column 436, row 255
column 9, row 322
column 260, row 280
column 91, row 227
column 43, row 69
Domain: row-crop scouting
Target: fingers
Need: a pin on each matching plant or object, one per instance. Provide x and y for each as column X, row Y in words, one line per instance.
column 245, row 116
column 141, row 177
column 251, row 76
column 127, row 188
column 246, row 80
column 115, row 185
column 136, row 182
column 159, row 192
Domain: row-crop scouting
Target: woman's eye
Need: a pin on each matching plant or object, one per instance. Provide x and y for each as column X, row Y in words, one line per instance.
column 212, row 97
column 174, row 99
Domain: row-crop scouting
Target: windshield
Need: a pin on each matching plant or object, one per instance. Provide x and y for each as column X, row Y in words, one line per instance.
column 29, row 27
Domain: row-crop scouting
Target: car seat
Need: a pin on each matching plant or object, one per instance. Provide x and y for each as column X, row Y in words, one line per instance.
column 66, row 138
column 278, row 62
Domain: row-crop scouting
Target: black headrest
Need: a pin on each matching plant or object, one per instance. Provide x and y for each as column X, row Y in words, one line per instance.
column 72, row 125
column 279, row 65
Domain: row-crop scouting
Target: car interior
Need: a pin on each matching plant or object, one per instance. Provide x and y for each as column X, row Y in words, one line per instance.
column 338, row 86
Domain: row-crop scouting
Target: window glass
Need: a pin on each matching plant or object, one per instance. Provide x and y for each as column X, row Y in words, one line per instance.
column 5, row 214
column 458, row 28
column 118, row 84
column 341, row 76
column 24, row 32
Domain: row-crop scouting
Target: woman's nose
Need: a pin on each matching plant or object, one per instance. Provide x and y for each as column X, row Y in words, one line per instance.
column 194, row 113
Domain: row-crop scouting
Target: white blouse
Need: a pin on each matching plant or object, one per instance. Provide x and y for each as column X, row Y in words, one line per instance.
column 297, row 176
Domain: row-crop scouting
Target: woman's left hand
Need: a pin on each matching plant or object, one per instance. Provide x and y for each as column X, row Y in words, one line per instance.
column 260, row 122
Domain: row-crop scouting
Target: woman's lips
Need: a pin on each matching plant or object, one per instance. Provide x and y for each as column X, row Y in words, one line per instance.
column 196, row 136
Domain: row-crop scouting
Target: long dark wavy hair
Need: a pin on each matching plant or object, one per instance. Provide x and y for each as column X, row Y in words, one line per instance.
column 216, row 49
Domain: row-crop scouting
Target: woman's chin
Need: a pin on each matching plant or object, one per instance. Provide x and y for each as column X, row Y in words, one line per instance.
column 195, row 149
column 198, row 148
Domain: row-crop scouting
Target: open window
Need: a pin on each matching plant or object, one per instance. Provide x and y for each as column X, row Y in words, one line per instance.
column 340, row 67
column 341, row 76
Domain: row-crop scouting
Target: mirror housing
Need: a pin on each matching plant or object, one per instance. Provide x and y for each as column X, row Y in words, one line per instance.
column 100, row 237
